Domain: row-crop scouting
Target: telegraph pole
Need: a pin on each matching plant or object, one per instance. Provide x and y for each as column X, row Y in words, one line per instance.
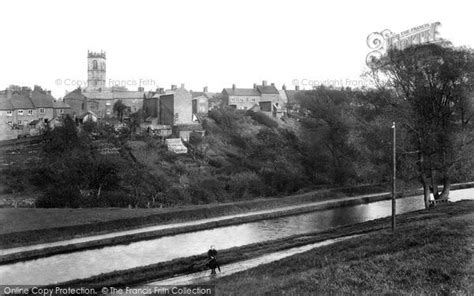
column 394, row 174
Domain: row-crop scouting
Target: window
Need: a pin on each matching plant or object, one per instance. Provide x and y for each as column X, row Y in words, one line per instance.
column 61, row 111
column 19, row 122
column 20, row 112
column 42, row 110
column 30, row 112
column 94, row 65
column 9, row 113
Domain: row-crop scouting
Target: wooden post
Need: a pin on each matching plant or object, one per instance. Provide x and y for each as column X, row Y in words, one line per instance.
column 394, row 174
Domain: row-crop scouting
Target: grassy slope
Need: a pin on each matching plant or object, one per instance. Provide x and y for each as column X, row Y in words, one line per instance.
column 425, row 257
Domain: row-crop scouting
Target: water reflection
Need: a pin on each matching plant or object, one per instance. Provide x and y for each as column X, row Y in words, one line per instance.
column 60, row 268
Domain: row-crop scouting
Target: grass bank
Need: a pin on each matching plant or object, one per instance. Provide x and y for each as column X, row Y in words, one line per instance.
column 419, row 222
column 428, row 257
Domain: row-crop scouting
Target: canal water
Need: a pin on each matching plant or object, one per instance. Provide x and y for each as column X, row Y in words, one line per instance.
column 83, row 264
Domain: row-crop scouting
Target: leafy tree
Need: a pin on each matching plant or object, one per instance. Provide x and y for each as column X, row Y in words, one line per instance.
column 433, row 83
column 328, row 122
column 120, row 108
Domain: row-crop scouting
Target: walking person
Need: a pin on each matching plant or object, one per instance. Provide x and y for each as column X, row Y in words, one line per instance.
column 212, row 260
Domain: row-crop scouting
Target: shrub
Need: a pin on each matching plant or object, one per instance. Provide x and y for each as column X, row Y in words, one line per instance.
column 245, row 185
column 263, row 119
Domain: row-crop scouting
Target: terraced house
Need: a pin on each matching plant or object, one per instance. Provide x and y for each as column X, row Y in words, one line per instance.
column 265, row 98
column 19, row 107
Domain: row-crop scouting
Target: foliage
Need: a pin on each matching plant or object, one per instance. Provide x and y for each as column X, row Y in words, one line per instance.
column 120, row 108
column 262, row 119
column 433, row 81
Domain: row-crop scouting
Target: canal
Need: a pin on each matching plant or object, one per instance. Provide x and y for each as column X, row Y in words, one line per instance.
column 83, row 264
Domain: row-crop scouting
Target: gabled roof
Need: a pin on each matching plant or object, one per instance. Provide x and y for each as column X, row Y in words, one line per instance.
column 5, row 103
column 41, row 100
column 242, row 92
column 267, row 89
column 21, row 101
column 291, row 95
column 60, row 105
column 196, row 94
column 75, row 95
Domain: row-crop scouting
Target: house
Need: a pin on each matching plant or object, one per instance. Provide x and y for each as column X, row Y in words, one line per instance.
column 264, row 97
column 172, row 107
column 60, row 109
column 20, row 106
column 77, row 101
column 241, row 98
column 43, row 101
column 200, row 103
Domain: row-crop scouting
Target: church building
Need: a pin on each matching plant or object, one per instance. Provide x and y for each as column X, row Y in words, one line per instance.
column 98, row 97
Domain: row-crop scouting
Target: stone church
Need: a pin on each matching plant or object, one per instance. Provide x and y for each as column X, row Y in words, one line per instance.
column 98, row 97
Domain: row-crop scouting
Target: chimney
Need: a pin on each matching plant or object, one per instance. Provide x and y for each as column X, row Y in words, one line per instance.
column 182, row 85
column 173, row 86
column 283, row 87
column 48, row 92
column 273, row 84
column 233, row 86
column 205, row 89
column 297, row 87
column 254, row 86
column 264, row 83
column 141, row 89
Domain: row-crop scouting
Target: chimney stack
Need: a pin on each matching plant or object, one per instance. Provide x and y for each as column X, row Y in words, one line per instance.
column 173, row 86
column 233, row 86
column 182, row 85
column 205, row 89
column 254, row 86
column 273, row 84
column 297, row 87
column 141, row 89
column 283, row 87
column 264, row 83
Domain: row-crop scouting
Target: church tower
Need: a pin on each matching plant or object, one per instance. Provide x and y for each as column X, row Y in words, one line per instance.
column 96, row 70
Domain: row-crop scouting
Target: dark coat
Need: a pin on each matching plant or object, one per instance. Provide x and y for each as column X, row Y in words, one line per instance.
column 212, row 259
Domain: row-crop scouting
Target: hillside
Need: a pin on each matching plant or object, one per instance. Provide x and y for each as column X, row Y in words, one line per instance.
column 242, row 156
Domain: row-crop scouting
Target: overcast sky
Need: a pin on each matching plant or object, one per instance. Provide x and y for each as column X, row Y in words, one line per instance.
column 214, row 43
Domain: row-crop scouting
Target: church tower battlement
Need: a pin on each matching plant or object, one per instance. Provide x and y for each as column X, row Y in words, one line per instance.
column 96, row 70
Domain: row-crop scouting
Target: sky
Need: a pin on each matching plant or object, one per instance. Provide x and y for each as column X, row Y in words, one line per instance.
column 206, row 42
